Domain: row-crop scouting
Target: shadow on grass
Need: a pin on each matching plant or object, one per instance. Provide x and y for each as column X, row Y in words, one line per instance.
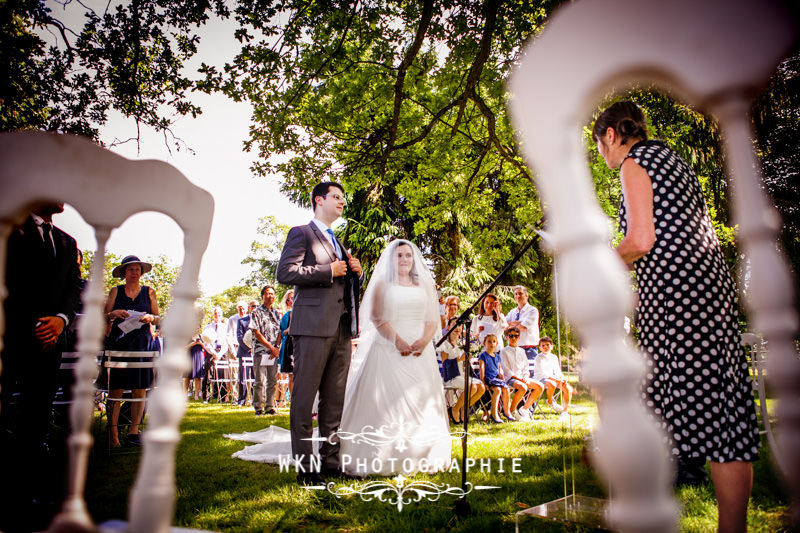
column 217, row 492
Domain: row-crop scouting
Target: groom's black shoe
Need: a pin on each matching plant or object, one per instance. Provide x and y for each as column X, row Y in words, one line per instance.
column 310, row 479
column 328, row 473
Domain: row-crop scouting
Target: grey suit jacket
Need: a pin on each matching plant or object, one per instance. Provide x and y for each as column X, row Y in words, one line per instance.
column 319, row 299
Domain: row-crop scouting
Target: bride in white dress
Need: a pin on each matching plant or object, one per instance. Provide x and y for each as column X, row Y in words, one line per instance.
column 394, row 419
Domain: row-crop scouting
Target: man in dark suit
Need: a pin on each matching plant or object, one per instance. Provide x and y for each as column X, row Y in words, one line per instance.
column 43, row 282
column 327, row 283
column 244, row 351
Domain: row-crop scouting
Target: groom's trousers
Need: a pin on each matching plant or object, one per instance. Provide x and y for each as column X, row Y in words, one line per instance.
column 320, row 364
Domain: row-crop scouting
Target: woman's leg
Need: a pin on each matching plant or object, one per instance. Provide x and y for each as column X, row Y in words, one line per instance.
column 477, row 390
column 197, row 384
column 732, row 485
column 137, row 410
column 113, row 417
column 458, row 408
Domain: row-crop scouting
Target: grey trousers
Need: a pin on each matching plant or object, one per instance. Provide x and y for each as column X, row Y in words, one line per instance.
column 320, row 364
column 265, row 382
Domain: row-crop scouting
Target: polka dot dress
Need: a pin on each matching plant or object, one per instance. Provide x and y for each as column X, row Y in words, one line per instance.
column 697, row 382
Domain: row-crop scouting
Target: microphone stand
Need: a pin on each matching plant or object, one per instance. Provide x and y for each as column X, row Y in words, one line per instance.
column 465, row 318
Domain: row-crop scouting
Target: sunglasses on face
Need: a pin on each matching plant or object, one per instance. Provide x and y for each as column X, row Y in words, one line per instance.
column 513, row 336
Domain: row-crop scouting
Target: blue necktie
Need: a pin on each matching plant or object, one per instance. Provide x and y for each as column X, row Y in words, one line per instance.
column 335, row 244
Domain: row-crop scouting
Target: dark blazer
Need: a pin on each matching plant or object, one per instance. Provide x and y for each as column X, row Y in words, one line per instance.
column 319, row 299
column 241, row 328
column 37, row 285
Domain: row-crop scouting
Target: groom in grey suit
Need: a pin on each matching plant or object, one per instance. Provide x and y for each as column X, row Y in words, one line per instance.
column 327, row 283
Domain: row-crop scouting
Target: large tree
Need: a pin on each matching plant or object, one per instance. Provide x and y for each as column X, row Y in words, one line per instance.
column 67, row 76
column 404, row 104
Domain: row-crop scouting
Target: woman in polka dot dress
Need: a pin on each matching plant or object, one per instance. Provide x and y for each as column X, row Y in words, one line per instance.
column 697, row 381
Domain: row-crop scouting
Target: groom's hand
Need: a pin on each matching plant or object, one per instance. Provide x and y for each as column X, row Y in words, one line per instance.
column 339, row 268
column 355, row 264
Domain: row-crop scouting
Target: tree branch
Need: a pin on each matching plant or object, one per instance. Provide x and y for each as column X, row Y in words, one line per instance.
column 402, row 70
column 490, row 13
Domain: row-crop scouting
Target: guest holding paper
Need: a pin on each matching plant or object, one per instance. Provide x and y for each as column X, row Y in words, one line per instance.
column 265, row 323
column 130, row 308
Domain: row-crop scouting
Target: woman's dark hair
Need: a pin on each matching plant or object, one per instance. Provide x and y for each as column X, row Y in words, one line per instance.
column 483, row 305
column 625, row 118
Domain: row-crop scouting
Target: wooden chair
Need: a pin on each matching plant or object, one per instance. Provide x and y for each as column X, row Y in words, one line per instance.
column 106, row 189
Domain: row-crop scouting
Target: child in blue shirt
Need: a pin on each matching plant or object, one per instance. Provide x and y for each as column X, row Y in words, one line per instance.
column 492, row 376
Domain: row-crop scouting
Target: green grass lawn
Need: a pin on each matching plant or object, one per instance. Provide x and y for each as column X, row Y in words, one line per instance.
column 217, row 492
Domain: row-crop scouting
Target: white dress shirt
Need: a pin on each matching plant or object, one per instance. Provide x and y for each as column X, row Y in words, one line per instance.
column 529, row 317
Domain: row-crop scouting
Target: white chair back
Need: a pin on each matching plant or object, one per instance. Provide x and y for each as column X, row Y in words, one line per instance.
column 715, row 54
column 106, row 189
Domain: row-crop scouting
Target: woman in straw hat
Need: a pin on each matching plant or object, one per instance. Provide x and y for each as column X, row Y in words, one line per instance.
column 122, row 301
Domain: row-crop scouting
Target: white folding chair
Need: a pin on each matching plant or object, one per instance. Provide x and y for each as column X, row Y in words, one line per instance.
column 114, row 364
column 248, row 379
column 221, row 379
column 106, row 189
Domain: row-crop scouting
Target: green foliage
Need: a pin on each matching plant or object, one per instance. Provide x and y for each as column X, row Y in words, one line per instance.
column 161, row 278
column 404, row 104
column 776, row 116
column 227, row 300
column 264, row 253
column 128, row 58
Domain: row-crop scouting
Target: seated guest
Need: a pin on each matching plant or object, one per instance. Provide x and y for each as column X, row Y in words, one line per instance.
column 547, row 371
column 492, row 376
column 516, row 370
column 451, row 351
column 452, row 306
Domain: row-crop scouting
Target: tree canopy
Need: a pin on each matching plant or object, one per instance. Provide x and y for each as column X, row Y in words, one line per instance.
column 401, row 102
column 126, row 58
column 404, row 104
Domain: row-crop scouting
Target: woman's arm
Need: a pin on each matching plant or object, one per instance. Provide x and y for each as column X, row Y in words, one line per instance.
column 111, row 313
column 153, row 317
column 427, row 335
column 641, row 231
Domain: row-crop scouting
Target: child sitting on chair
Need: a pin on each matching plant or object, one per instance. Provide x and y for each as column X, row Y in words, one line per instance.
column 518, row 375
column 492, row 376
column 547, row 371
column 451, row 350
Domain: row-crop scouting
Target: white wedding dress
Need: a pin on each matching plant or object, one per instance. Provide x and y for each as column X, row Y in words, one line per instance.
column 394, row 419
